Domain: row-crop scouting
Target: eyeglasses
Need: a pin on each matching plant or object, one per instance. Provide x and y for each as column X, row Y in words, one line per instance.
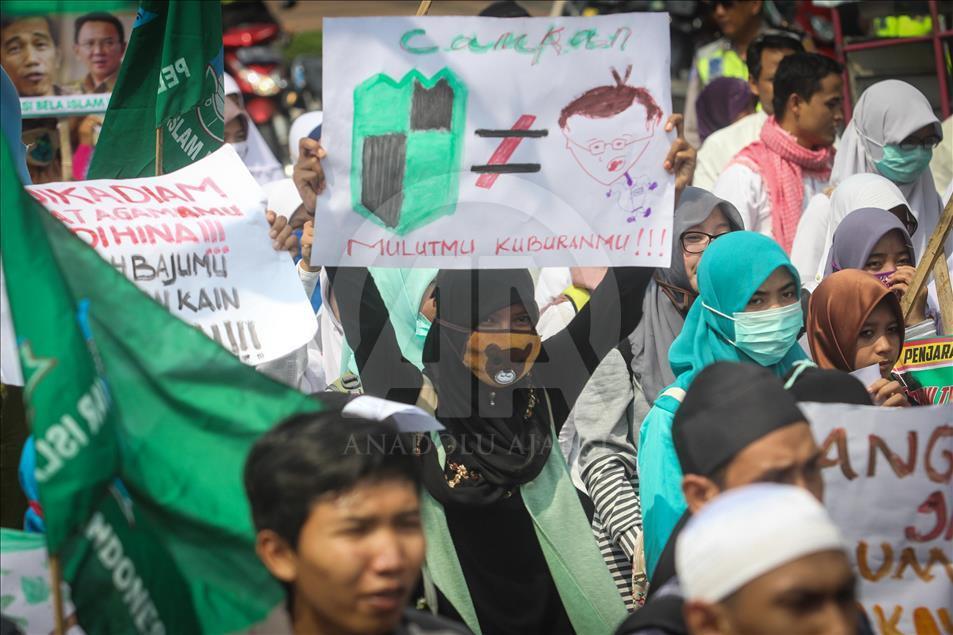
column 107, row 44
column 597, row 147
column 912, row 143
column 697, row 242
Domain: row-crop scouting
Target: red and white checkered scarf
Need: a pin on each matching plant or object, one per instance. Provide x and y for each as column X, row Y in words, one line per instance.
column 782, row 164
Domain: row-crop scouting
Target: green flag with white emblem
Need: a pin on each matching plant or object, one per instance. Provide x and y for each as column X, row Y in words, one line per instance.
column 171, row 80
column 141, row 426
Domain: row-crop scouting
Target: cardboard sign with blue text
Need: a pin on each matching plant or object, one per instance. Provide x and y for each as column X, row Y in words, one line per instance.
column 487, row 142
column 888, row 484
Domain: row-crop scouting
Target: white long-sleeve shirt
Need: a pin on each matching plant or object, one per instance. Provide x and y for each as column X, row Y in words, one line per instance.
column 744, row 188
column 722, row 145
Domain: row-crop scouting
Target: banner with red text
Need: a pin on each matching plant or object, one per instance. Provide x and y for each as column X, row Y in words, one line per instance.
column 888, row 477
column 925, row 367
column 467, row 142
column 197, row 241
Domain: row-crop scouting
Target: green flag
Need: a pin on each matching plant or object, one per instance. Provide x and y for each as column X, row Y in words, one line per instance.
column 170, row 78
column 118, row 388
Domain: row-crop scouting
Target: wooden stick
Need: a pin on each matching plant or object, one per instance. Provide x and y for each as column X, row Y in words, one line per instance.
column 159, row 151
column 56, row 574
column 66, row 150
column 934, row 257
column 424, row 7
column 944, row 293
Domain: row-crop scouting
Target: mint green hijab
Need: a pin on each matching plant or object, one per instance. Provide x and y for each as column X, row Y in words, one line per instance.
column 402, row 291
column 730, row 271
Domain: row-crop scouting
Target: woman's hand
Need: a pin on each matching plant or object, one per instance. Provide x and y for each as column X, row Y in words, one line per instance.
column 887, row 393
column 900, row 283
column 283, row 239
column 308, row 175
column 680, row 159
column 307, row 242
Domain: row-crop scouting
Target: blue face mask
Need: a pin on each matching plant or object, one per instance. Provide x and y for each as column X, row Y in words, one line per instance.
column 904, row 166
column 423, row 327
column 766, row 336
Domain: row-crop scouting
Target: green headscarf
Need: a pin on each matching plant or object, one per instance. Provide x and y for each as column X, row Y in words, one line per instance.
column 730, row 271
column 402, row 291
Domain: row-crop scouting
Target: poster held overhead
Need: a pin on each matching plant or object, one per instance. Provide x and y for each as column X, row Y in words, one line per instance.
column 488, row 143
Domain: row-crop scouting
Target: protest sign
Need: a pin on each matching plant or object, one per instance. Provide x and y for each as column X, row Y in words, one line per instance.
column 887, row 484
column 26, row 597
column 197, row 241
column 482, row 142
column 926, row 368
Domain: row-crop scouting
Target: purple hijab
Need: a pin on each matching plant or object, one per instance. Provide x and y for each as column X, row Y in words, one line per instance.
column 858, row 234
column 720, row 103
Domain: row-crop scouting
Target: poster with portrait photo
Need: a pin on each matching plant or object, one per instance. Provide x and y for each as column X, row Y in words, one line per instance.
column 63, row 67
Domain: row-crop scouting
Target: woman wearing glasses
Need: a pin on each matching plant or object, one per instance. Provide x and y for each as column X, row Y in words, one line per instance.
column 700, row 217
column 893, row 133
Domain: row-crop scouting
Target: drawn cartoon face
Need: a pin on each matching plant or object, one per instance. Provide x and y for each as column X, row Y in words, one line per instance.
column 607, row 147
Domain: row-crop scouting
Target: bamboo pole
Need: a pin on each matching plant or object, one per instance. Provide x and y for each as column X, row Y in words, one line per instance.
column 159, row 151
column 934, row 259
column 56, row 574
column 423, row 7
column 66, row 149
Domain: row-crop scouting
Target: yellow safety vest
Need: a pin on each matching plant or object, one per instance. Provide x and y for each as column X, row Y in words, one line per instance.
column 721, row 63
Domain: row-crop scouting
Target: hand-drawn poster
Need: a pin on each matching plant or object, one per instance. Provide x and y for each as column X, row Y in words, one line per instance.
column 197, row 241
column 888, row 483
column 486, row 142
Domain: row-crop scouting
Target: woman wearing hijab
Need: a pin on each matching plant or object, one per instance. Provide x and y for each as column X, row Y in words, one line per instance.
column 875, row 241
column 242, row 134
column 509, row 547
column 748, row 310
column 853, row 322
column 893, row 133
column 721, row 103
column 815, row 231
column 700, row 218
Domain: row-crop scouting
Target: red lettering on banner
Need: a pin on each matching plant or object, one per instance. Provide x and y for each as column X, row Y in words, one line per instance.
column 121, row 190
column 837, row 439
column 206, row 184
column 935, row 475
column 165, row 195
column 99, row 195
column 900, row 468
column 935, row 504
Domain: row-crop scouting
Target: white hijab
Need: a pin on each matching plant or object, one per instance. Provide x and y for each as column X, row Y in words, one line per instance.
column 888, row 112
column 815, row 231
column 259, row 159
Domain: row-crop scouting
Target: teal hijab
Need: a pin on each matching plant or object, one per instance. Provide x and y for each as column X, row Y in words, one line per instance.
column 402, row 291
column 730, row 271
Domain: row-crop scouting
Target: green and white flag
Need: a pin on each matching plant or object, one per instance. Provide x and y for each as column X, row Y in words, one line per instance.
column 142, row 425
column 170, row 78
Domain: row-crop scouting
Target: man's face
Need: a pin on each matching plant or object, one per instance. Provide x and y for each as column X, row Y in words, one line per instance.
column 819, row 117
column 813, row 595
column 358, row 557
column 99, row 46
column 29, row 56
column 606, row 148
column 763, row 86
column 736, row 17
column 788, row 456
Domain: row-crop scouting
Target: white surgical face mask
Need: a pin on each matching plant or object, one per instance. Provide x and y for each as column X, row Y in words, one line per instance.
column 766, row 336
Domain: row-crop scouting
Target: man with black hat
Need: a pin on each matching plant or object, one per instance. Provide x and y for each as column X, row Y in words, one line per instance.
column 736, row 426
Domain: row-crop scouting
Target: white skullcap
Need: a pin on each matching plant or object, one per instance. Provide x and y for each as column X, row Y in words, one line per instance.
column 747, row 532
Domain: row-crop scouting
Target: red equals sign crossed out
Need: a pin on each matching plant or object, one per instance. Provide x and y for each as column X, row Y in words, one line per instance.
column 497, row 163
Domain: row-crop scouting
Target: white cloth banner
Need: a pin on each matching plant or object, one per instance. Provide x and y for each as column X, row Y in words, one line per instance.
column 887, row 477
column 197, row 241
column 484, row 142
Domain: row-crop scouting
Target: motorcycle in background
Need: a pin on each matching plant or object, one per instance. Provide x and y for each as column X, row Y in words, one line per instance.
column 253, row 41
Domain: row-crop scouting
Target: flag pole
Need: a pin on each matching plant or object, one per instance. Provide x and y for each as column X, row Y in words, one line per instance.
column 59, row 626
column 423, row 7
column 159, row 151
